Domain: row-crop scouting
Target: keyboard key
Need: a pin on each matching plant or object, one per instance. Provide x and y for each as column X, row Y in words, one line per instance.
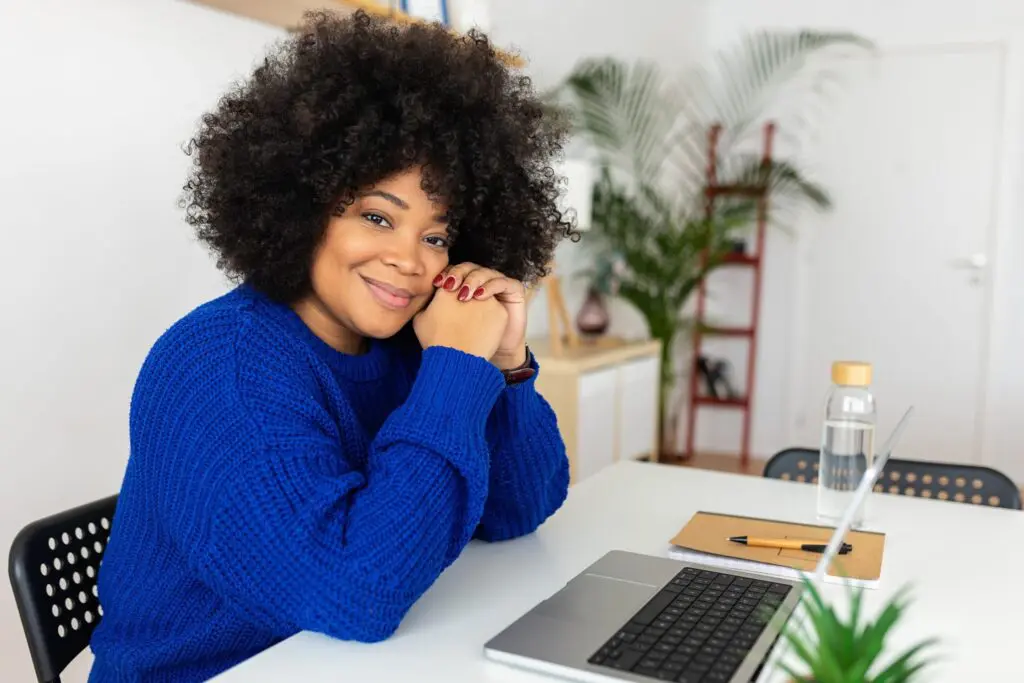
column 653, row 608
column 779, row 588
column 627, row 661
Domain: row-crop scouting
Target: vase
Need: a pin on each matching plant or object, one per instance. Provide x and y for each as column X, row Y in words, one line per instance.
column 592, row 318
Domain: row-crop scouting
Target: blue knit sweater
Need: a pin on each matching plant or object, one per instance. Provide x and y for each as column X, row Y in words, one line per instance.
column 276, row 485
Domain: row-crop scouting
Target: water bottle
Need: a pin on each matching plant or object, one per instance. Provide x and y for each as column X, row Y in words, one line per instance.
column 847, row 442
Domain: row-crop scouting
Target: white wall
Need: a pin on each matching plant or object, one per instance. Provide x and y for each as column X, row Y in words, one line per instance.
column 96, row 261
column 902, row 23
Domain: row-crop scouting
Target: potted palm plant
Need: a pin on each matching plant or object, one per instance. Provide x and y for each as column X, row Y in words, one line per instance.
column 835, row 649
column 647, row 132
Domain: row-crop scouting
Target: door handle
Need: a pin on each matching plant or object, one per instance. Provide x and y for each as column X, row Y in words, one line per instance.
column 973, row 262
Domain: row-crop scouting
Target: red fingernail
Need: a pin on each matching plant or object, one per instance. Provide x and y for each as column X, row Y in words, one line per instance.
column 478, row 292
column 463, row 293
column 449, row 283
column 438, row 279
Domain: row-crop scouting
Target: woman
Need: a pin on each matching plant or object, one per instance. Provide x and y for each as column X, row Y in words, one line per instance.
column 312, row 449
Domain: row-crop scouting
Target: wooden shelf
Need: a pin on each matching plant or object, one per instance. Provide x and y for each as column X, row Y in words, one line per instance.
column 755, row 191
column 287, row 14
column 740, row 260
column 727, row 332
column 724, row 402
column 591, row 354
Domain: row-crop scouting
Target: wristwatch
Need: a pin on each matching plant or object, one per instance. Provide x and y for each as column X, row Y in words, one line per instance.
column 521, row 373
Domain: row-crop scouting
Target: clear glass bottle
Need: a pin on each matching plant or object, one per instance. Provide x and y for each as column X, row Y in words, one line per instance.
column 847, row 442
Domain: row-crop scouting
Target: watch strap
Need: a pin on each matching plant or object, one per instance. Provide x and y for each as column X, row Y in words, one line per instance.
column 521, row 373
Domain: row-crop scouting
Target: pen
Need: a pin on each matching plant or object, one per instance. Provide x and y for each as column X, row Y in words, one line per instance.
column 788, row 544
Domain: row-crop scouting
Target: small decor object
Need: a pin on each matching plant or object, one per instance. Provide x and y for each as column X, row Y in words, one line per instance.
column 717, row 377
column 832, row 649
column 593, row 318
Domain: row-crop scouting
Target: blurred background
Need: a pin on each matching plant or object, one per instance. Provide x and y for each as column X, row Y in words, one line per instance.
column 762, row 188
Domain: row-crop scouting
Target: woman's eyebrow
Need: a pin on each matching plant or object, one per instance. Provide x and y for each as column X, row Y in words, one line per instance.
column 388, row 196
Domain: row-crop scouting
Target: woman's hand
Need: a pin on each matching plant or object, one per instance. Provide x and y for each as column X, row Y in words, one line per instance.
column 471, row 284
column 476, row 327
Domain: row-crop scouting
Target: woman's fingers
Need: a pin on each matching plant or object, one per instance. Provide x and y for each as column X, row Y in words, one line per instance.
column 452, row 278
column 472, row 281
column 504, row 289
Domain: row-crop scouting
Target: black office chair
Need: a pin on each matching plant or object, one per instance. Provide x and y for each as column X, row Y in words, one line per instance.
column 945, row 481
column 53, row 566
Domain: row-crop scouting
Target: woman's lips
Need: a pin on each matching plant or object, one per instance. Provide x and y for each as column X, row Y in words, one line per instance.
column 388, row 295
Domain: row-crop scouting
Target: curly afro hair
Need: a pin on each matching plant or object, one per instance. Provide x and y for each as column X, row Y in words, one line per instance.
column 349, row 101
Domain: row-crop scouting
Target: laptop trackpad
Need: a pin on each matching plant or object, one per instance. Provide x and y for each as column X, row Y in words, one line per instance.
column 589, row 596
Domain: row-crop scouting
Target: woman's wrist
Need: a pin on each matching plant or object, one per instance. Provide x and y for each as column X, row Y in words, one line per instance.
column 512, row 360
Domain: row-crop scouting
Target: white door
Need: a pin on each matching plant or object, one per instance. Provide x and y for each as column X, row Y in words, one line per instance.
column 895, row 274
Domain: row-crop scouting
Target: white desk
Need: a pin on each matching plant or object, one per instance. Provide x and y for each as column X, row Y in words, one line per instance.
column 965, row 562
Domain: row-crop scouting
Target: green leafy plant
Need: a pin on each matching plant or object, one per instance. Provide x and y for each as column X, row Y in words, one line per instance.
column 834, row 649
column 648, row 133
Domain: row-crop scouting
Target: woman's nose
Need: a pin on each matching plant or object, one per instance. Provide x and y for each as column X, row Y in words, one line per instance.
column 403, row 253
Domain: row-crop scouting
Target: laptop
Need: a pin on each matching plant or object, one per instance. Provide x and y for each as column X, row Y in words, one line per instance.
column 635, row 617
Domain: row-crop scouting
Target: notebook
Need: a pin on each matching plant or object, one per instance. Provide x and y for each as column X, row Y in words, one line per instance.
column 704, row 539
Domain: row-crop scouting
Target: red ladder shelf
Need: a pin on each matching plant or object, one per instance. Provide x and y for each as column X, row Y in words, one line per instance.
column 753, row 261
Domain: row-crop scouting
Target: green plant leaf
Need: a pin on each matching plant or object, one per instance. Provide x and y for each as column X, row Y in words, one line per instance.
column 902, row 668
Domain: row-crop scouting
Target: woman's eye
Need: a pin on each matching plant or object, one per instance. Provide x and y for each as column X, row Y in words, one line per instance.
column 377, row 219
column 438, row 241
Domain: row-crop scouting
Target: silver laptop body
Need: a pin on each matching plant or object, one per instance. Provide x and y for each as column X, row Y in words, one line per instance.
column 565, row 635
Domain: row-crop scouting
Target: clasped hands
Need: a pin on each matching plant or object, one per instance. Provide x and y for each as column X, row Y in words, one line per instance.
column 479, row 311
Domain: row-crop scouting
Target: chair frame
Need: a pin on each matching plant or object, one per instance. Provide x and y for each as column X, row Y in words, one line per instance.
column 30, row 549
column 1014, row 503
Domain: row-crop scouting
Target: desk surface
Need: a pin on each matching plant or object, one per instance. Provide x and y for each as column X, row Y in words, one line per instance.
column 967, row 590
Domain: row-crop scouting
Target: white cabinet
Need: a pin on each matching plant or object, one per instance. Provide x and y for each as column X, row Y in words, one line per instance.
column 605, row 396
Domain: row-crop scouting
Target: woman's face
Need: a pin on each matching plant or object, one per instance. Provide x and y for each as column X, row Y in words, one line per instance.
column 375, row 267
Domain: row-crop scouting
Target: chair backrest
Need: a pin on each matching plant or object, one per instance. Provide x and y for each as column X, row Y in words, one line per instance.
column 53, row 566
column 926, row 479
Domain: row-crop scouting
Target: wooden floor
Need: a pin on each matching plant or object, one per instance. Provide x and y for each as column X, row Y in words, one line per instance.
column 723, row 463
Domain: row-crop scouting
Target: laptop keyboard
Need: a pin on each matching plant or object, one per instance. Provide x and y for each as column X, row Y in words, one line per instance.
column 697, row 629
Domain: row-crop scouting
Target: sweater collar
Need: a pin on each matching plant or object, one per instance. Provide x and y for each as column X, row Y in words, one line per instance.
column 372, row 364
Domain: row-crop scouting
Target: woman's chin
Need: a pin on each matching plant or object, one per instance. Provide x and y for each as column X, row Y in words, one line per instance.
column 382, row 329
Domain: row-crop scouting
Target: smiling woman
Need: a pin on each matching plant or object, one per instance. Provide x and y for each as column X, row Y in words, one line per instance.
column 312, row 449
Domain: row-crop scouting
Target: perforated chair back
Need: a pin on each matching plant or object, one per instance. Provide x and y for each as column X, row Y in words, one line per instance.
column 960, row 483
column 53, row 565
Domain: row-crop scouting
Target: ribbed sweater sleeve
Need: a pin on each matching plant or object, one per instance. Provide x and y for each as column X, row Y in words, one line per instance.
column 301, row 539
column 529, row 473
